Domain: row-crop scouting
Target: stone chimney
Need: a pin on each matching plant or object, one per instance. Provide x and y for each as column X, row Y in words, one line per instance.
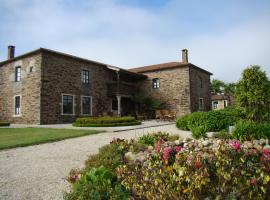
column 11, row 52
column 185, row 56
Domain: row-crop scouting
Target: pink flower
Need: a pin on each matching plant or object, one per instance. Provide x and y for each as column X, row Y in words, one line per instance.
column 236, row 145
column 158, row 145
column 266, row 154
column 178, row 148
column 167, row 152
column 253, row 181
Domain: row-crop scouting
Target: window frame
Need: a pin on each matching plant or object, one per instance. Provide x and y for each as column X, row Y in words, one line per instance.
column 18, row 74
column 91, row 107
column 201, row 106
column 155, row 83
column 85, row 76
column 73, row 105
column 20, row 107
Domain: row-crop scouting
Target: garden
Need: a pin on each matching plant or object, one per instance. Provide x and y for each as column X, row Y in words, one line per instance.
column 234, row 163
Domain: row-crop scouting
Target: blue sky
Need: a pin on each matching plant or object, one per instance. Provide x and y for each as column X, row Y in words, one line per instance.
column 222, row 36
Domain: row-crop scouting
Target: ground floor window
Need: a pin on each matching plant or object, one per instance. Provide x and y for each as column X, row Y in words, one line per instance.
column 67, row 104
column 17, row 105
column 201, row 104
column 86, row 105
column 215, row 104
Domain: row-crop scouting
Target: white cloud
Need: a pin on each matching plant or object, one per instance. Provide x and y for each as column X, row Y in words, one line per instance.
column 124, row 35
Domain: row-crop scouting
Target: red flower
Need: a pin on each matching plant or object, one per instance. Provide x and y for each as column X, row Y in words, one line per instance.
column 266, row 154
column 236, row 145
column 198, row 163
column 178, row 148
column 253, row 181
column 167, row 152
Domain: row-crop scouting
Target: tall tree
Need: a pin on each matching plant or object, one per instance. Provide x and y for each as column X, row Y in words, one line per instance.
column 217, row 86
column 253, row 94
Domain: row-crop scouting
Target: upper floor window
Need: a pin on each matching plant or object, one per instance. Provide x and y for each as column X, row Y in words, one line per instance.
column 17, row 105
column 200, row 82
column 18, row 74
column 67, row 105
column 155, row 83
column 85, row 76
column 201, row 104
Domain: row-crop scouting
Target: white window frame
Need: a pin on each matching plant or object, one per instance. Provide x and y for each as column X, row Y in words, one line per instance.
column 91, row 107
column 155, row 83
column 14, row 110
column 18, row 78
column 83, row 81
column 73, row 107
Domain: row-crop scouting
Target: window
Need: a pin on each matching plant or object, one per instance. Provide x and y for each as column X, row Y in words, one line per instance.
column 17, row 105
column 18, row 74
column 86, row 105
column 114, row 105
column 215, row 104
column 200, row 82
column 201, row 104
column 31, row 69
column 85, row 76
column 225, row 103
column 155, row 83
column 67, row 105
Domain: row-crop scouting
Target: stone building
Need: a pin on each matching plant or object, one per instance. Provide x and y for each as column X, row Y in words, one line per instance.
column 47, row 87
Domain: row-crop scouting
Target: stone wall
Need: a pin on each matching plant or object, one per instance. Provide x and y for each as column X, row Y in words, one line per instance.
column 200, row 88
column 28, row 88
column 174, row 91
column 62, row 75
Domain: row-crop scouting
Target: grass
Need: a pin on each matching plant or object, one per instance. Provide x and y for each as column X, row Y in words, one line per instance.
column 20, row 137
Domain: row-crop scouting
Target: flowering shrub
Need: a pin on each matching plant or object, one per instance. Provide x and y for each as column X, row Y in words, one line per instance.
column 226, row 170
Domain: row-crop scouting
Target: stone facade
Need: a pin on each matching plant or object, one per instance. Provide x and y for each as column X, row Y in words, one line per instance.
column 28, row 89
column 47, row 75
column 180, row 88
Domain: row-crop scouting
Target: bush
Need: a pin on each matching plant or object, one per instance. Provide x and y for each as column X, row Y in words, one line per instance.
column 182, row 123
column 228, row 171
column 248, row 130
column 97, row 183
column 152, row 138
column 223, row 135
column 201, row 122
column 4, row 123
column 106, row 121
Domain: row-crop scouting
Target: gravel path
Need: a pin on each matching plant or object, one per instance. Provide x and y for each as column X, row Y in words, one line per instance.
column 38, row 172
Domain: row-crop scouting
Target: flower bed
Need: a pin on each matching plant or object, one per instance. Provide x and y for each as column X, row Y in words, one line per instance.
column 180, row 169
column 106, row 121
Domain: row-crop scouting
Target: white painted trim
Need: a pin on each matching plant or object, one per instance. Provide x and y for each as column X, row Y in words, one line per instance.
column 73, row 110
column 14, row 104
column 91, row 106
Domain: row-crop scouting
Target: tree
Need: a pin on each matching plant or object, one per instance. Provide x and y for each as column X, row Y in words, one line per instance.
column 253, row 94
column 217, row 86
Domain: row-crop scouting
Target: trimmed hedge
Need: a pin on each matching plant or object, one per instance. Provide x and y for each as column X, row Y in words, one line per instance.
column 201, row 122
column 4, row 123
column 106, row 121
column 248, row 130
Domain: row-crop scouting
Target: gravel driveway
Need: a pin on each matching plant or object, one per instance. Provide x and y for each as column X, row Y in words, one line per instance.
column 38, row 172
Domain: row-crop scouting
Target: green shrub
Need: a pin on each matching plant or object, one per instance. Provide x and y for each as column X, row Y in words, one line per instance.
column 97, row 183
column 106, row 121
column 223, row 135
column 248, row 130
column 182, row 123
column 199, row 132
column 4, row 123
column 152, row 138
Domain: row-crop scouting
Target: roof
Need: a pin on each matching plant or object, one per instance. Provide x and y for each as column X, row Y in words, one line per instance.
column 163, row 66
column 40, row 50
column 220, row 97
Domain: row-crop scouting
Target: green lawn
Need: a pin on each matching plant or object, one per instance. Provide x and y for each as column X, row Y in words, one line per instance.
column 19, row 137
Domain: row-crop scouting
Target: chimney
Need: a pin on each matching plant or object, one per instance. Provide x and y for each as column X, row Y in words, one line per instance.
column 185, row 56
column 11, row 52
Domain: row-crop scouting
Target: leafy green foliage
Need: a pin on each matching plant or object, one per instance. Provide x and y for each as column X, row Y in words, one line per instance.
column 152, row 138
column 97, row 183
column 226, row 172
column 219, row 86
column 106, row 121
column 223, row 135
column 201, row 122
column 253, row 94
column 248, row 130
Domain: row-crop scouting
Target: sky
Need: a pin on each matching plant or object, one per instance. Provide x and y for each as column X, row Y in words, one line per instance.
column 223, row 37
